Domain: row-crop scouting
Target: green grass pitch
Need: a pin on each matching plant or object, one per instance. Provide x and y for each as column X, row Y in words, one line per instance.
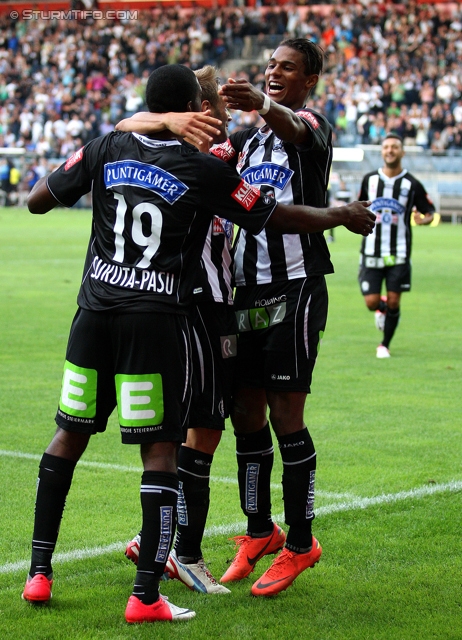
column 389, row 481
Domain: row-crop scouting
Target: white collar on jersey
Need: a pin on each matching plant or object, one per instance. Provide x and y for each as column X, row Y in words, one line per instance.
column 156, row 144
column 385, row 178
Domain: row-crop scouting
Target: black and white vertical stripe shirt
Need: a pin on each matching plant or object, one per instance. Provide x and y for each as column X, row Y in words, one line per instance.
column 393, row 202
column 215, row 281
column 292, row 174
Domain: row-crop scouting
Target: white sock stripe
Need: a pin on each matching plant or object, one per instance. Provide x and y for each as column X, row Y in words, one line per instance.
column 313, row 455
column 154, row 488
column 263, row 452
column 196, row 475
column 236, row 527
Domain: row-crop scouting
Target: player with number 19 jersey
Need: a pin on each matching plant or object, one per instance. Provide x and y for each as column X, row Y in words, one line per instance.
column 153, row 201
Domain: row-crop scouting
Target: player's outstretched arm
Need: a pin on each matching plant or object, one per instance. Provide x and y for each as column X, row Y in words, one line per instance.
column 197, row 127
column 241, row 94
column 40, row 200
column 355, row 216
column 423, row 218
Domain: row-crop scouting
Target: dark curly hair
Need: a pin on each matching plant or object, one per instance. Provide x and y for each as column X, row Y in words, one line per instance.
column 312, row 53
column 170, row 88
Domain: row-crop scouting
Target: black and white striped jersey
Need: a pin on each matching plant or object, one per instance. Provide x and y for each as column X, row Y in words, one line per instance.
column 216, row 279
column 292, row 175
column 393, row 202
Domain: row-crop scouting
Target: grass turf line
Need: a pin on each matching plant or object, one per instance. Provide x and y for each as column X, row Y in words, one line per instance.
column 380, row 428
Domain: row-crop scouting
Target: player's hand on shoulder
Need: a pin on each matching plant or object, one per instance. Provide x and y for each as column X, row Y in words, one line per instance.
column 360, row 219
column 198, row 127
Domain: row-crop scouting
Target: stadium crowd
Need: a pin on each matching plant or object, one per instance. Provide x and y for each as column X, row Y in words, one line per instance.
column 390, row 68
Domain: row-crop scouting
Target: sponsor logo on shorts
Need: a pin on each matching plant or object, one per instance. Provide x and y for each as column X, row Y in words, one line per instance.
column 260, row 318
column 78, row 393
column 140, row 400
column 221, row 408
column 228, row 346
column 275, row 376
column 265, row 302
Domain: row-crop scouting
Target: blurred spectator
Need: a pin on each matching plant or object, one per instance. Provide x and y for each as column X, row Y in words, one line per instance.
column 389, row 67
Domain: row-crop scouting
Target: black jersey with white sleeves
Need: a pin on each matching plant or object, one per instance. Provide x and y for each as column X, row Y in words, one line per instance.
column 291, row 174
column 393, row 200
column 153, row 201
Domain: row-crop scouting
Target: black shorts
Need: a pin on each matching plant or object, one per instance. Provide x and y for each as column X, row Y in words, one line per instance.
column 214, row 358
column 397, row 278
column 139, row 362
column 280, row 328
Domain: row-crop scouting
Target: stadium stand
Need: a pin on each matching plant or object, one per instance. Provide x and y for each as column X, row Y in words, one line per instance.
column 65, row 80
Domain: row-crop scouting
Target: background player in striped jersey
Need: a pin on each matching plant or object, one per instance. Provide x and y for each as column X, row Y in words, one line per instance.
column 386, row 253
column 281, row 302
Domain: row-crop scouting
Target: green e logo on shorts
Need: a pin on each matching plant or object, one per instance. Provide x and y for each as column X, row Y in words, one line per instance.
column 78, row 391
column 140, row 399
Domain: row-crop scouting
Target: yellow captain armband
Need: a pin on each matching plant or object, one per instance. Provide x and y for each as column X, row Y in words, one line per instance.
column 434, row 223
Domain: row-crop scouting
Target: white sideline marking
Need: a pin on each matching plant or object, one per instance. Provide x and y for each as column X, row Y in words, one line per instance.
column 119, row 467
column 236, row 527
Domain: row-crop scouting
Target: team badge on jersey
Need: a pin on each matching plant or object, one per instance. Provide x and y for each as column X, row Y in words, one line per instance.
column 269, row 174
column 75, row 157
column 246, row 195
column 278, row 144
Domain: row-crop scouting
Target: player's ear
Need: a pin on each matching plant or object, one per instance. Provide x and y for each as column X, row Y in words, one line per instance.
column 205, row 105
column 312, row 81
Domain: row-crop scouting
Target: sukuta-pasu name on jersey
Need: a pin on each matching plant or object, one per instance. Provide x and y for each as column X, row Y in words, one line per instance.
column 131, row 278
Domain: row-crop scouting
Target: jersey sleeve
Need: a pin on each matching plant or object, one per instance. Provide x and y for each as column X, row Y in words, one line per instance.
column 363, row 194
column 74, row 178
column 229, row 150
column 226, row 194
column 422, row 200
column 319, row 127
